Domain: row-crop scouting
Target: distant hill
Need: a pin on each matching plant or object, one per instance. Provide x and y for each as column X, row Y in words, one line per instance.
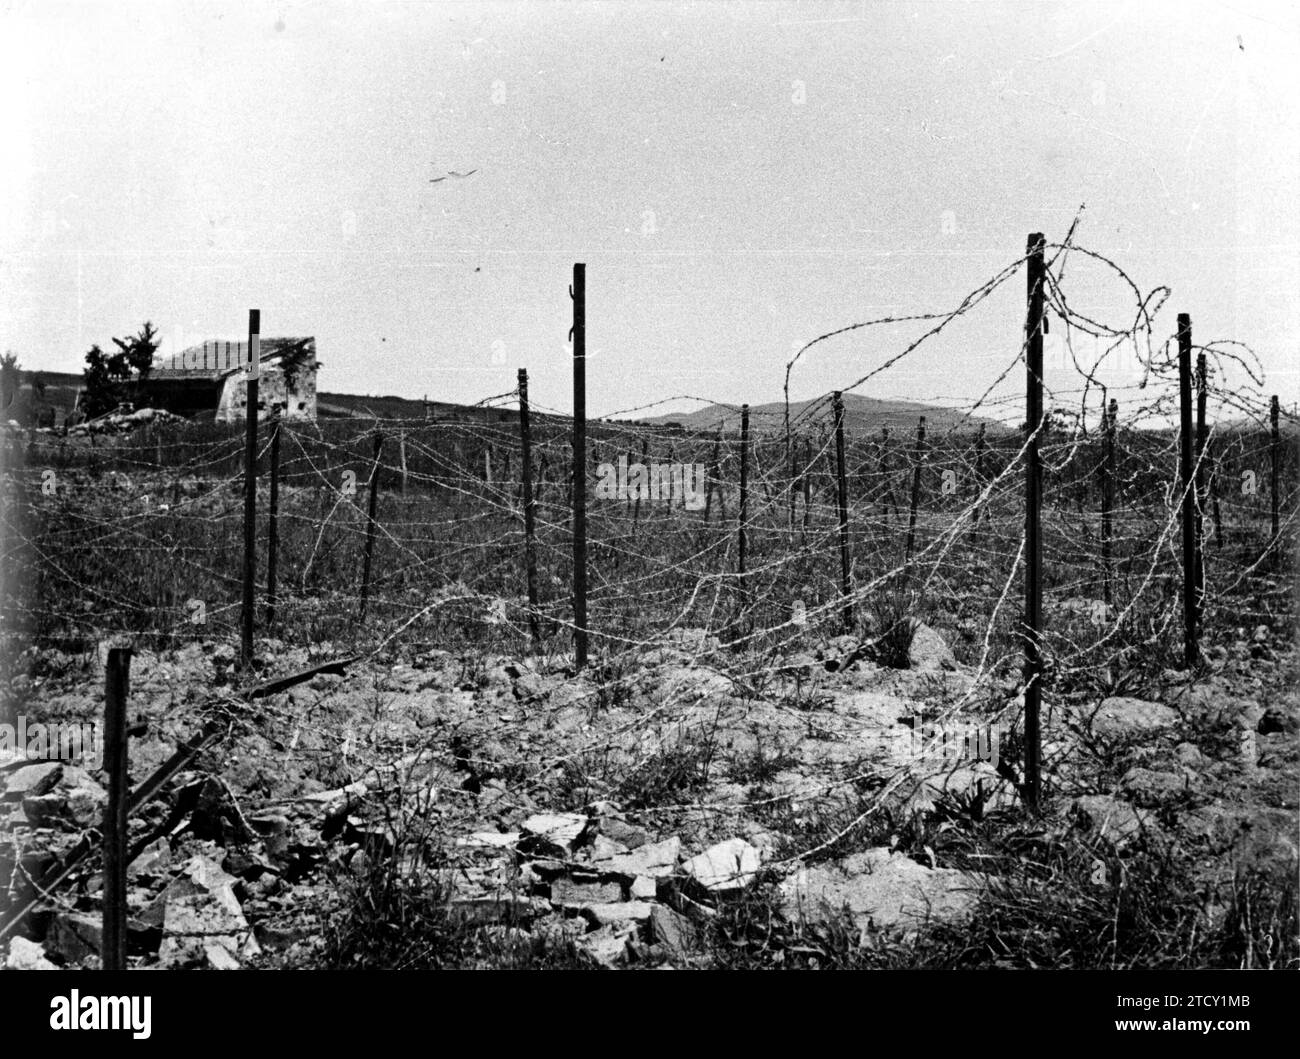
column 862, row 415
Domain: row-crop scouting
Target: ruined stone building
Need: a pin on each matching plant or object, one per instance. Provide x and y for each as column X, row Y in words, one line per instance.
column 211, row 378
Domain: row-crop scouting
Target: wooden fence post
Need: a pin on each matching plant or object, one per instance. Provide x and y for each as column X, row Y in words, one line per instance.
column 1275, row 463
column 1109, row 416
column 250, row 490
column 1036, row 274
column 1187, row 485
column 530, row 510
column 916, row 489
column 579, row 474
column 842, row 489
column 742, row 536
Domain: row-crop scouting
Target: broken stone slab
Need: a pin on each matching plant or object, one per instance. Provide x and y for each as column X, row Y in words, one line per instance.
column 490, row 840
column 1121, row 717
column 880, row 890
column 655, row 860
column 153, row 860
column 560, row 831
column 201, row 912
column 495, row 908
column 568, row 892
column 27, row 955
column 725, row 868
column 630, row 835
column 76, row 936
column 1111, row 818
column 618, row 912
column 672, row 930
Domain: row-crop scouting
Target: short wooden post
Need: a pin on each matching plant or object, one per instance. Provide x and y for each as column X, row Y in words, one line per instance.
column 117, row 677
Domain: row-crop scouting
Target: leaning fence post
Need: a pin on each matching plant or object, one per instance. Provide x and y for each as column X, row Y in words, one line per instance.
column 530, row 510
column 916, row 489
column 250, row 490
column 273, row 524
column 842, row 489
column 1036, row 274
column 370, row 525
column 117, row 676
column 1187, row 485
column 578, row 483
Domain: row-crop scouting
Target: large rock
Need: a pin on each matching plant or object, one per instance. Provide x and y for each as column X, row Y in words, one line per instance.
column 1126, row 718
column 26, row 955
column 725, row 868
column 1110, row 818
column 672, row 930
column 75, row 802
column 880, row 891
column 929, row 650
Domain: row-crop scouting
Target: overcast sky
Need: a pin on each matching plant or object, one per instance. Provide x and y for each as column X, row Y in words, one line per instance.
column 738, row 177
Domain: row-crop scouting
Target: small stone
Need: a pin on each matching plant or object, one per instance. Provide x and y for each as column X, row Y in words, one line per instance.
column 728, row 866
column 617, row 912
column 490, row 840
column 644, row 888
column 1190, row 754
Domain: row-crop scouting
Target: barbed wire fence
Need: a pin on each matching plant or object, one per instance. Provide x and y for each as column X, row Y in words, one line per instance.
column 398, row 535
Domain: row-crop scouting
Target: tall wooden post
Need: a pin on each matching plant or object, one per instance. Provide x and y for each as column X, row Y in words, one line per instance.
column 1275, row 463
column 842, row 490
column 1187, row 485
column 250, row 489
column 530, row 510
column 579, row 480
column 117, row 676
column 1036, row 274
column 742, row 536
column 1202, row 432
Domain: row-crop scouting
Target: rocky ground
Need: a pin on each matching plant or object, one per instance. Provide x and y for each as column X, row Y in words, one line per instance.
column 431, row 809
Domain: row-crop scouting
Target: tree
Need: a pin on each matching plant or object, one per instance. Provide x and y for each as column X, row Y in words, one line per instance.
column 108, row 373
column 10, row 380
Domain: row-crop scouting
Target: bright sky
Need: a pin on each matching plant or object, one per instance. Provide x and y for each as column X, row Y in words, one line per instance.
column 738, row 177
